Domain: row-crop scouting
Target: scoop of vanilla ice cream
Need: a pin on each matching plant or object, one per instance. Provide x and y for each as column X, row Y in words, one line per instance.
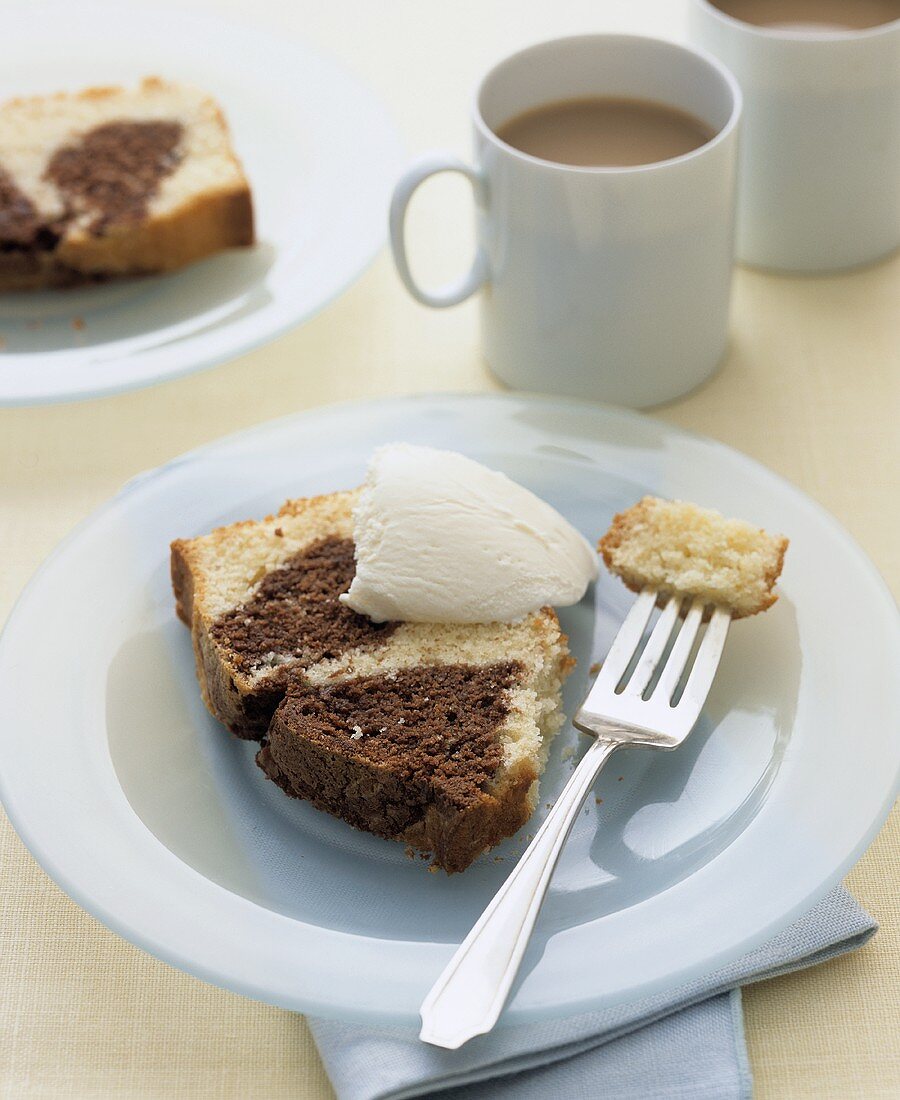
column 441, row 538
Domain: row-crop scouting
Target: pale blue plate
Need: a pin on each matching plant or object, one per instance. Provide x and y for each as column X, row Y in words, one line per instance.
column 158, row 822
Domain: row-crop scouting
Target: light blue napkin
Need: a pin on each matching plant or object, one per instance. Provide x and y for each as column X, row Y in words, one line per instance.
column 688, row 1043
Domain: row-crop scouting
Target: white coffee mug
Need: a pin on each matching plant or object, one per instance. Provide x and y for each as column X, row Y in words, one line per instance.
column 819, row 176
column 606, row 283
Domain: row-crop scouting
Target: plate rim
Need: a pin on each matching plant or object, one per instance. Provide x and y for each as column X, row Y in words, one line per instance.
column 238, row 336
column 317, row 1004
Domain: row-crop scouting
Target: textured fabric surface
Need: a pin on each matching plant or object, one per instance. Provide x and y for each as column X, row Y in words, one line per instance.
column 810, row 387
column 692, row 1039
column 697, row 1054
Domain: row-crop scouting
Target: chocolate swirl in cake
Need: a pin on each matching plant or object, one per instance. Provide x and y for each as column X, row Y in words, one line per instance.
column 295, row 613
column 114, row 170
column 379, row 750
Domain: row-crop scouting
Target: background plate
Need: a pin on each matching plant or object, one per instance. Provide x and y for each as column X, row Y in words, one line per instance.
column 319, row 151
column 159, row 823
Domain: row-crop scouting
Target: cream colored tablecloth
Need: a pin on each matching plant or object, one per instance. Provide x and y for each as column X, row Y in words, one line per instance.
column 811, row 387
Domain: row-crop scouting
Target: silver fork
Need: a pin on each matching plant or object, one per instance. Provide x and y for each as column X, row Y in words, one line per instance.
column 627, row 705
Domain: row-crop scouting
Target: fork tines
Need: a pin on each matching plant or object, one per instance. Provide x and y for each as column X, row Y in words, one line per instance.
column 658, row 667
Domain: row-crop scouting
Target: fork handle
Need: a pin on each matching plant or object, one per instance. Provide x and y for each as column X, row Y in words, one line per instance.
column 468, row 997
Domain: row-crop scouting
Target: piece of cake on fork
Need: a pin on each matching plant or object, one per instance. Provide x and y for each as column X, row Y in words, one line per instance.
column 678, row 547
column 114, row 181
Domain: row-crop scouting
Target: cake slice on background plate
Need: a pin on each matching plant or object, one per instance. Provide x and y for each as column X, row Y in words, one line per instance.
column 114, row 181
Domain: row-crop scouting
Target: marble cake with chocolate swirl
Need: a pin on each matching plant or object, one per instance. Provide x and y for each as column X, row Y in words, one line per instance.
column 431, row 734
column 113, row 181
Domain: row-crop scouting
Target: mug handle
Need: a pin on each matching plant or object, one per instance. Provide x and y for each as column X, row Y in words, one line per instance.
column 417, row 173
